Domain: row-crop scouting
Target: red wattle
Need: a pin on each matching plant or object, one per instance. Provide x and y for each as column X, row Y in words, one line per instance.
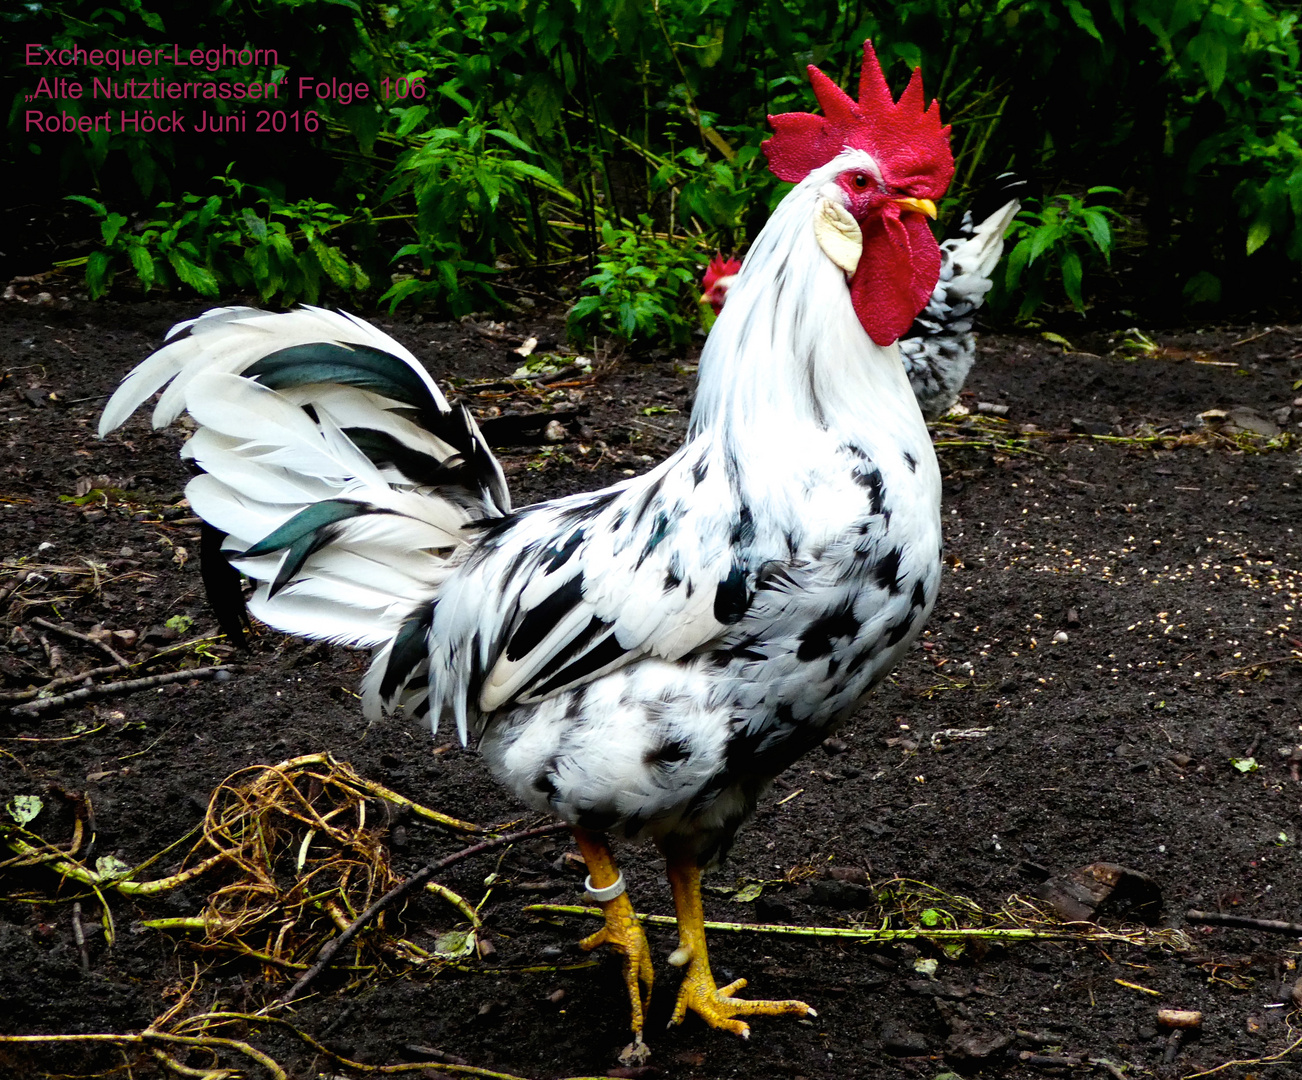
column 898, row 270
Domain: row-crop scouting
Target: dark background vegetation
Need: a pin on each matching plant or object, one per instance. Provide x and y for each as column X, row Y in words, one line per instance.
column 553, row 140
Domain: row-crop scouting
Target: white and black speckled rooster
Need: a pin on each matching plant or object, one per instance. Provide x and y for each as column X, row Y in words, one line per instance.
column 639, row 661
column 939, row 348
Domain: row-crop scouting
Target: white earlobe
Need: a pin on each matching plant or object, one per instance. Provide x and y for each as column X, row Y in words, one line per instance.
column 838, row 234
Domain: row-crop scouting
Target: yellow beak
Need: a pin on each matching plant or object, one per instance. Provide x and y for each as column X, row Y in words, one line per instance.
column 922, row 206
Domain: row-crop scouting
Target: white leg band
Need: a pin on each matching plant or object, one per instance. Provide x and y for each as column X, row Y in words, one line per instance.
column 608, row 893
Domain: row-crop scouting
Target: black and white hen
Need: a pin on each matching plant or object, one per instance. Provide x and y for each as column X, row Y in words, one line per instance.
column 940, row 346
column 640, row 661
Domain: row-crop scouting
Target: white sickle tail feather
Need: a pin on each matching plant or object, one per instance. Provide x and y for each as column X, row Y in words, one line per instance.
column 335, row 474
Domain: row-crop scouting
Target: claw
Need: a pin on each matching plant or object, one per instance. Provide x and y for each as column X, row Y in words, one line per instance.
column 717, row 1006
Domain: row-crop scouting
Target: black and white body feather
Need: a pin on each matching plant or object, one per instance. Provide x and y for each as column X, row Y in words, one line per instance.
column 642, row 659
column 940, row 347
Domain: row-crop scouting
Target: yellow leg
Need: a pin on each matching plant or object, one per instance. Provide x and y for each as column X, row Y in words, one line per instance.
column 699, row 993
column 622, row 932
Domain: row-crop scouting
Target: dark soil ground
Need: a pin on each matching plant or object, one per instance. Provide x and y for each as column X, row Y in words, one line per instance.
column 1119, row 626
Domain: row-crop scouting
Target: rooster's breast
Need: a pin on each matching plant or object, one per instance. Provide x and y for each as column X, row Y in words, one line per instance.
column 833, row 574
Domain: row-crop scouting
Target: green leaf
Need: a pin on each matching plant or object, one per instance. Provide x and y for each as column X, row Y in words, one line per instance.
column 85, row 200
column 1082, row 18
column 110, row 866
column 1212, row 55
column 110, row 227
column 1071, row 279
column 1245, row 765
column 25, row 808
column 182, row 624
column 143, row 264
column 1203, row 288
column 333, row 263
column 454, row 944
column 98, row 276
column 747, row 893
column 1258, row 234
column 199, row 279
column 1100, row 231
column 409, row 119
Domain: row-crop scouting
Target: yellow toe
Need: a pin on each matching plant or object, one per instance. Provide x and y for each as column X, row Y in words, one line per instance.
column 623, row 930
column 717, row 1007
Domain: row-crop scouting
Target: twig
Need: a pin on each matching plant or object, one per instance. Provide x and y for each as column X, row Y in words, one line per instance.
column 149, row 1035
column 126, row 686
column 1172, row 1046
column 332, row 947
column 1080, row 932
column 1244, row 341
column 1051, row 1061
column 79, row 935
column 19, row 578
column 61, row 681
column 1278, row 926
column 68, row 632
column 1253, row 1061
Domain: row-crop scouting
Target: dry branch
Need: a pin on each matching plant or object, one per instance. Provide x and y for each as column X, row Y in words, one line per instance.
column 1276, row 926
column 115, row 689
column 76, row 635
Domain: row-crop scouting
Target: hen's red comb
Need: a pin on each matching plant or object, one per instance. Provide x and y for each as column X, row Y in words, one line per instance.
column 905, row 138
column 719, row 268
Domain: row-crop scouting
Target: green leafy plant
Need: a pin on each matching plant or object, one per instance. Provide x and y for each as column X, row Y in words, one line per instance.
column 1055, row 243
column 244, row 237
column 470, row 184
column 646, row 288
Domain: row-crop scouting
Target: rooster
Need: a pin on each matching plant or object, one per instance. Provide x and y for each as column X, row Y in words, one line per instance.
column 940, row 347
column 640, row 661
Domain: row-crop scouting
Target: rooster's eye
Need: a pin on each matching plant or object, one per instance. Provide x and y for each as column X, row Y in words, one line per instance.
column 860, row 180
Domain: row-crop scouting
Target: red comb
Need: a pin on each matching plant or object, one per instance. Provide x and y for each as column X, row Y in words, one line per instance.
column 905, row 138
column 719, row 268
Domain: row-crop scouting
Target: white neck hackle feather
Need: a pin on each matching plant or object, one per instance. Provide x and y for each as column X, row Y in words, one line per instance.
column 788, row 348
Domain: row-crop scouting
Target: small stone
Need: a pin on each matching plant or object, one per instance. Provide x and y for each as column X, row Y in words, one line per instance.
column 834, row 746
column 976, row 1046
column 903, row 1043
column 554, row 431
column 840, row 894
column 221, row 676
column 556, row 997
column 1060, row 638
column 1296, row 993
column 991, row 409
